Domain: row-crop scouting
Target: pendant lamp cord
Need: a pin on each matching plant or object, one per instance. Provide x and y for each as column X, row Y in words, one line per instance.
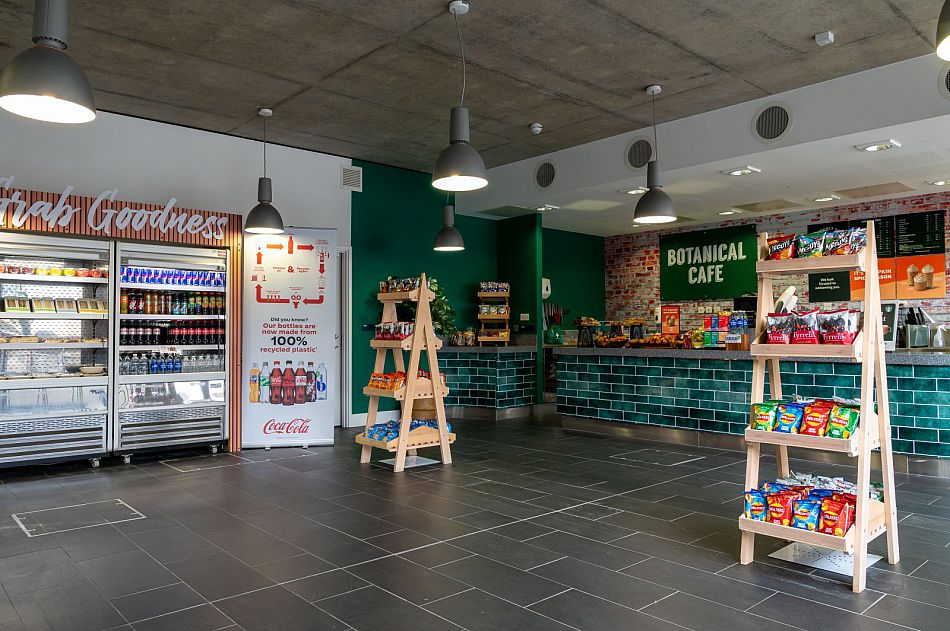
column 458, row 31
column 656, row 145
column 265, row 145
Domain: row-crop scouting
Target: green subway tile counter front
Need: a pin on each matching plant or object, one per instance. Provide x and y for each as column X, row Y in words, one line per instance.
column 709, row 391
column 496, row 378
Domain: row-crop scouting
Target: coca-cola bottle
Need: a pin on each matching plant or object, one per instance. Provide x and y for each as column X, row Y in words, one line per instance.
column 123, row 335
column 220, row 339
column 311, row 383
column 288, row 382
column 300, row 384
column 276, row 386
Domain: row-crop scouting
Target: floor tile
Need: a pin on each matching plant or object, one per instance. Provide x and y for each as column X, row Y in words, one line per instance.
column 172, row 544
column 371, row 609
column 356, row 524
column 401, row 540
column 909, row 613
column 613, row 586
column 477, row 611
column 80, row 607
column 293, row 567
column 126, row 573
column 337, row 548
column 218, row 575
column 584, row 527
column 816, row 617
column 521, row 555
column 276, row 609
column 521, row 530
column 438, row 554
column 589, row 613
column 429, row 524
column 686, row 554
column 91, row 543
column 696, row 613
column 407, row 580
column 697, row 583
column 157, row 602
column 602, row 554
column 485, row 519
column 252, row 545
column 501, row 580
column 325, row 585
column 200, row 618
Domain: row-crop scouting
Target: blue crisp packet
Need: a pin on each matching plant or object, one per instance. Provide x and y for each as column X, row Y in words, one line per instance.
column 756, row 506
column 788, row 418
column 805, row 514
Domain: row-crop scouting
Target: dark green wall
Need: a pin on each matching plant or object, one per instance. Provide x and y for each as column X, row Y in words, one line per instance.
column 575, row 264
column 519, row 263
column 393, row 226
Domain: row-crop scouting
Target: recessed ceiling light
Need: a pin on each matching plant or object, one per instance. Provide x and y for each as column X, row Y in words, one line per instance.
column 939, row 182
column 825, row 198
column 726, row 213
column 746, row 170
column 880, row 145
column 635, row 191
column 546, row 208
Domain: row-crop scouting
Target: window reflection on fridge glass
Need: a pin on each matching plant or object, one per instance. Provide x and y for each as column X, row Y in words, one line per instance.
column 45, row 401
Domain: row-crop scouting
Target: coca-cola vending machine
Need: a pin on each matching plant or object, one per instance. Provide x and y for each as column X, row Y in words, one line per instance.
column 291, row 339
column 171, row 360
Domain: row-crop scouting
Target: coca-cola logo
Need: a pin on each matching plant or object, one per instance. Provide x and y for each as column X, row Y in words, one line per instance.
column 294, row 426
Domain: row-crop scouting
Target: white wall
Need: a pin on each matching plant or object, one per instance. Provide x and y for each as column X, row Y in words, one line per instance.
column 150, row 162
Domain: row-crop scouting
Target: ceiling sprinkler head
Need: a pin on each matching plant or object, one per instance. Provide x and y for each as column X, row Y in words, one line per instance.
column 459, row 7
column 536, row 128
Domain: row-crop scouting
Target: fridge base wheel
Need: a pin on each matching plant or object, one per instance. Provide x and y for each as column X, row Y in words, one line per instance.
column 126, row 458
column 214, row 450
column 94, row 463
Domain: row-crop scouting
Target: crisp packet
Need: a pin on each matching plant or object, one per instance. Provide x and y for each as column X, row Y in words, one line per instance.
column 839, row 327
column 763, row 415
column 809, row 245
column 780, row 508
column 842, row 422
column 756, row 506
column 805, row 327
column 779, row 329
column 781, row 247
column 837, row 242
column 836, row 517
column 805, row 514
column 859, row 239
column 815, row 420
column 788, row 418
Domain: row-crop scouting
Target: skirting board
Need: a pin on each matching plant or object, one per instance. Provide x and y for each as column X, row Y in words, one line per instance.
column 489, row 414
column 903, row 463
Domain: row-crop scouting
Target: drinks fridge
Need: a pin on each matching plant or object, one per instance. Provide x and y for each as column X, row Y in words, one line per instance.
column 171, row 360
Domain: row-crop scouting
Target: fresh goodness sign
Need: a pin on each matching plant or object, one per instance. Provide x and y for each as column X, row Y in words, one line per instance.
column 709, row 264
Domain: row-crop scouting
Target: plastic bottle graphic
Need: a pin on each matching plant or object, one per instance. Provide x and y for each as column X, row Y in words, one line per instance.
column 264, row 383
column 290, row 245
column 254, row 394
column 287, row 382
column 311, row 383
column 321, row 382
column 300, row 385
column 276, row 391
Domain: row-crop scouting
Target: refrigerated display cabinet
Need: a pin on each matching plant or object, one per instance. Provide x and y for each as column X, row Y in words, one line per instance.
column 54, row 334
column 171, row 358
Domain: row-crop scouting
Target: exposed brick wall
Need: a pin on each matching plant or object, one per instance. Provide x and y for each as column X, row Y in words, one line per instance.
column 632, row 260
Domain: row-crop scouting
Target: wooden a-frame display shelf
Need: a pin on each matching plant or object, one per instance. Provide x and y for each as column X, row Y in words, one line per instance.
column 872, row 518
column 420, row 394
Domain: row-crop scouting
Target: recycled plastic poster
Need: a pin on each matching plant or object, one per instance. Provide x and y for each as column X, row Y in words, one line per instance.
column 911, row 261
column 290, row 355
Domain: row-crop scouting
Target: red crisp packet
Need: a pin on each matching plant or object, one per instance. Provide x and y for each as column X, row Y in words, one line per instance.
column 805, row 327
column 780, row 508
column 836, row 517
column 815, row 421
column 781, row 248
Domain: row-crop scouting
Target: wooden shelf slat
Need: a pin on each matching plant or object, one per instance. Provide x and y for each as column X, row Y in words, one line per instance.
column 851, row 352
column 405, row 344
column 814, row 265
column 876, row 511
column 420, row 438
column 399, row 296
column 494, row 316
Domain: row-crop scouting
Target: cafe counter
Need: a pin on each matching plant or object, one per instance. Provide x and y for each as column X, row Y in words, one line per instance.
column 489, row 381
column 709, row 391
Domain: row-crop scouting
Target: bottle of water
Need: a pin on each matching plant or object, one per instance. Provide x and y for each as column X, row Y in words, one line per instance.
column 125, row 364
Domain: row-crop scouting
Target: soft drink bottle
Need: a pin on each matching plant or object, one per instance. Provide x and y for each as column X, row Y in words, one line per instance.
column 124, row 302
column 123, row 335
column 311, row 383
column 264, row 383
column 177, row 364
column 152, row 364
column 276, row 387
column 322, row 382
column 300, row 384
column 254, row 391
column 288, row 383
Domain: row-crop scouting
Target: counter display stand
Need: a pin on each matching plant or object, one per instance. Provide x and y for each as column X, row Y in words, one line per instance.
column 872, row 518
column 495, row 323
column 420, row 394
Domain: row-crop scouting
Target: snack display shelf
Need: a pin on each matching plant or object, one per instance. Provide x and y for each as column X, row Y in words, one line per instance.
column 423, row 391
column 876, row 513
column 166, row 348
column 399, row 296
column 848, row 446
column 170, row 377
column 814, row 265
column 53, row 382
column 46, row 346
column 494, row 338
column 405, row 344
column 26, row 315
column 494, row 294
column 852, row 352
column 418, row 439
column 165, row 316
column 39, row 278
column 157, row 287
column 493, row 316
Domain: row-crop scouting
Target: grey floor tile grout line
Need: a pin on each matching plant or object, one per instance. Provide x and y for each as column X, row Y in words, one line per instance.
column 918, row 567
column 151, row 589
column 673, row 593
column 432, row 602
column 469, row 556
column 877, row 600
column 750, row 608
column 622, row 570
column 531, row 569
column 529, row 606
column 349, row 591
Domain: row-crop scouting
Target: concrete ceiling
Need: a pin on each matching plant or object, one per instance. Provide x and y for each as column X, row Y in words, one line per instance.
column 376, row 81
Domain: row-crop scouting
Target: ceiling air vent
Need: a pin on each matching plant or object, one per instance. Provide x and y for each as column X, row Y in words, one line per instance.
column 875, row 190
column 943, row 81
column 351, row 178
column 545, row 174
column 639, row 153
column 768, row 206
column 771, row 122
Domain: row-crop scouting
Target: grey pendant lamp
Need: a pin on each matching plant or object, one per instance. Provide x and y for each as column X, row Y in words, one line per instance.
column 44, row 83
column 655, row 206
column 459, row 167
column 943, row 32
column 264, row 218
column 449, row 238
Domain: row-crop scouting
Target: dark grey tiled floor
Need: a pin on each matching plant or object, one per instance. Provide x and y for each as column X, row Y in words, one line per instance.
column 531, row 528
